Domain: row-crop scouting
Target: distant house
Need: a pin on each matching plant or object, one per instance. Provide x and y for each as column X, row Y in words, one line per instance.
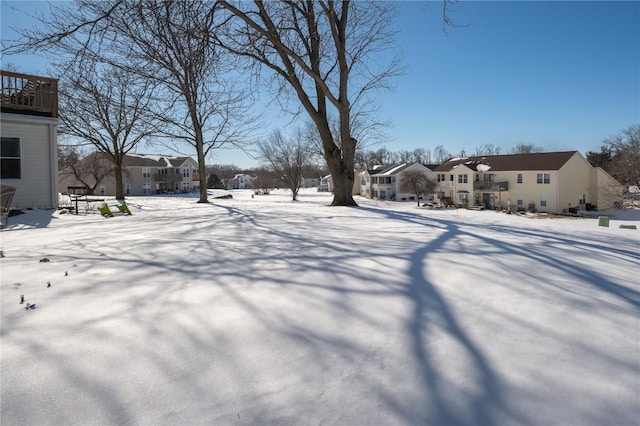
column 384, row 182
column 28, row 145
column 326, row 184
column 550, row 182
column 143, row 175
column 240, row 181
column 311, row 182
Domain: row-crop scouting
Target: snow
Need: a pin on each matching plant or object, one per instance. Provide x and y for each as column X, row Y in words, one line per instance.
column 266, row 311
column 483, row 167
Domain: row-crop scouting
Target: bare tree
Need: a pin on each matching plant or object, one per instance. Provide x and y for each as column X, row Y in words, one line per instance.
column 322, row 51
column 440, row 154
column 422, row 156
column 109, row 109
column 288, row 157
column 416, row 182
column 173, row 41
column 625, row 161
column 90, row 169
column 167, row 43
column 526, row 148
column 488, row 149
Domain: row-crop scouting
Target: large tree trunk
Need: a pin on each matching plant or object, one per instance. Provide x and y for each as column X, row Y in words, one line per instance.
column 342, row 176
column 342, row 187
column 119, row 182
column 202, row 173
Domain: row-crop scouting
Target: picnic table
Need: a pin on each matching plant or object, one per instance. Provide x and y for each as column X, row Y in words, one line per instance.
column 85, row 199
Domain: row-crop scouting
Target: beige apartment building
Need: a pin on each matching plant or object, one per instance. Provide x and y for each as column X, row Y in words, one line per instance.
column 143, row 175
column 552, row 182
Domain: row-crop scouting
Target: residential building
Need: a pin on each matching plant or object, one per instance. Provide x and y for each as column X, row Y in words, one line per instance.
column 384, row 182
column 28, row 146
column 550, row 182
column 143, row 174
column 240, row 181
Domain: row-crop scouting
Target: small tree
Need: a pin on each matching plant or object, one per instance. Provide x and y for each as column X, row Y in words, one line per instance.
column 625, row 162
column 289, row 157
column 416, row 182
column 90, row 170
column 214, row 182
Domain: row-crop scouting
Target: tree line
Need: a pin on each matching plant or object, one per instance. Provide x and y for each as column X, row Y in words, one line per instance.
column 191, row 71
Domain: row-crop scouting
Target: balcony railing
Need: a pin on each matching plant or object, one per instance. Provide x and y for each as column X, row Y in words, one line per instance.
column 167, row 177
column 29, row 94
column 491, row 186
column 445, row 184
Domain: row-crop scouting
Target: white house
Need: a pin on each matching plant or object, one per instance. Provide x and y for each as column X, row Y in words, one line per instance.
column 384, row 182
column 28, row 145
column 240, row 181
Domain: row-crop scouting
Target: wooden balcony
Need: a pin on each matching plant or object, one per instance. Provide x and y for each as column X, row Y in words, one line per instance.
column 29, row 94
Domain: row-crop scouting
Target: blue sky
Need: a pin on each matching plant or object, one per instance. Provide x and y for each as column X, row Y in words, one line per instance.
column 560, row 75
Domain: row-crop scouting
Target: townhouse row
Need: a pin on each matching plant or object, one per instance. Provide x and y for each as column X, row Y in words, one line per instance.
column 552, row 182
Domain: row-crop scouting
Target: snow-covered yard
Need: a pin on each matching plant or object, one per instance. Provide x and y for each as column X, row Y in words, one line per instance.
column 263, row 311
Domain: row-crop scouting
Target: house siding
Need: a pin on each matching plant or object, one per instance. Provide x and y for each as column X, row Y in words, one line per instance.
column 38, row 160
column 575, row 176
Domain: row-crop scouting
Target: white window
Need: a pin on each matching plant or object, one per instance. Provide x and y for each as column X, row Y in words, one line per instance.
column 185, row 172
column 146, row 172
column 103, row 190
column 146, row 188
column 543, row 200
column 185, row 186
column 543, row 178
column 519, row 200
column 462, row 178
column 519, row 178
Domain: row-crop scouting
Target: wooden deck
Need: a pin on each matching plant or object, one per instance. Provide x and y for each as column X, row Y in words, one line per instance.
column 29, row 94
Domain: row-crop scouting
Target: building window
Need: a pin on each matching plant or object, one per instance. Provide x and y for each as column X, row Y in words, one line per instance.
column 462, row 178
column 146, row 172
column 103, row 189
column 185, row 172
column 543, row 201
column 441, row 177
column 10, row 158
column 519, row 177
column 374, row 179
column 543, row 178
column 146, row 188
column 519, row 201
